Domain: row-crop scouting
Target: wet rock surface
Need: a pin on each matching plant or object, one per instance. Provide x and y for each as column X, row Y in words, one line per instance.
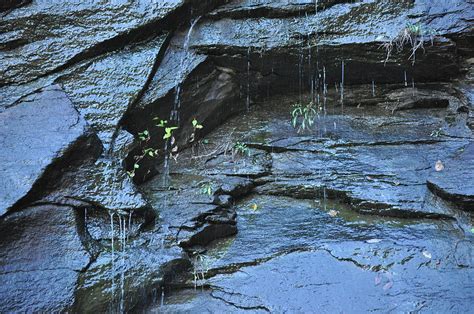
column 30, row 162
column 314, row 261
column 41, row 248
column 453, row 182
column 120, row 280
column 127, row 73
column 196, row 209
column 332, row 36
column 367, row 206
column 296, row 250
column 56, row 36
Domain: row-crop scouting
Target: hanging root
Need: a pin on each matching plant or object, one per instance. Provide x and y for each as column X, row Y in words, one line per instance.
column 413, row 35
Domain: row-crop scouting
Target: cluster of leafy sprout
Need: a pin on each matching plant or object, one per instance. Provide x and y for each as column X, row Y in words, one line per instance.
column 437, row 133
column 196, row 127
column 303, row 116
column 241, row 148
column 144, row 138
column 207, row 188
column 168, row 136
column 414, row 35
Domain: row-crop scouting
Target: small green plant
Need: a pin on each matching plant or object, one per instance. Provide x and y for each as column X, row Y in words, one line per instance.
column 144, row 138
column 169, row 132
column 160, row 123
column 196, row 127
column 171, row 145
column 196, row 124
column 207, row 188
column 413, row 34
column 437, row 133
column 303, row 116
column 242, row 149
column 192, row 139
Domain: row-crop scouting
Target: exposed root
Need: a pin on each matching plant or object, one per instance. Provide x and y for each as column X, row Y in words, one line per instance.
column 413, row 35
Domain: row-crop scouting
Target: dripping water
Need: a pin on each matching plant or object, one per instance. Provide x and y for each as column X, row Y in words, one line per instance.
column 121, row 261
column 122, row 244
column 300, row 69
column 122, row 266
column 112, row 249
column 248, row 79
column 373, row 88
column 174, row 114
column 325, row 86
column 310, row 78
column 166, row 166
column 406, row 83
column 129, row 224
column 342, row 82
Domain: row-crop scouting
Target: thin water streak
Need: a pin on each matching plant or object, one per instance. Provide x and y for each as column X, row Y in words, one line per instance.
column 342, row 82
column 248, row 79
column 112, row 249
column 174, row 114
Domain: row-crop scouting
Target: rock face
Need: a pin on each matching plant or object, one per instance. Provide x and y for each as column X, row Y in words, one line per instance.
column 391, row 83
column 41, row 248
column 127, row 71
column 319, row 262
column 33, row 32
column 454, row 181
column 40, row 135
column 351, row 33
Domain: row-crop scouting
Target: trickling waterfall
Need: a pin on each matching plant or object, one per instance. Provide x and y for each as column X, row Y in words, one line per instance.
column 248, row 79
column 162, row 301
column 174, row 114
column 129, row 224
column 342, row 82
column 300, row 69
column 113, row 257
column 373, row 88
column 122, row 240
column 122, row 262
column 406, row 83
column 325, row 86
